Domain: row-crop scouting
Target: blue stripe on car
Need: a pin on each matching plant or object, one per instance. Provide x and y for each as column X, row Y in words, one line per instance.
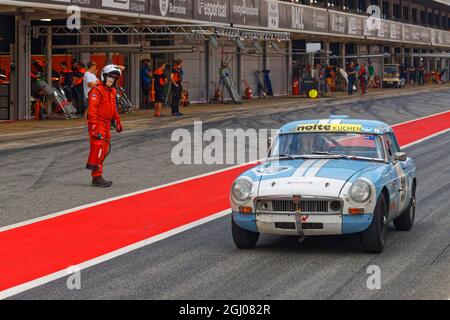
column 341, row 169
column 246, row 221
column 306, row 171
column 356, row 223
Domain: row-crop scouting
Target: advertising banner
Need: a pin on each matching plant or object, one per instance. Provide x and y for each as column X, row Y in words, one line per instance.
column 338, row 22
column 81, row 3
column 395, row 31
column 212, row 10
column 306, row 18
column 172, row 8
column 355, row 26
column 245, row 12
column 270, row 14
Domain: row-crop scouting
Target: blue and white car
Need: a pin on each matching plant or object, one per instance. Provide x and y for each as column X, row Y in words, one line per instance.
column 327, row 177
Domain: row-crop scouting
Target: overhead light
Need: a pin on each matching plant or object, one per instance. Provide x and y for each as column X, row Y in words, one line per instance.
column 257, row 46
column 213, row 42
column 45, row 20
column 274, row 46
column 240, row 44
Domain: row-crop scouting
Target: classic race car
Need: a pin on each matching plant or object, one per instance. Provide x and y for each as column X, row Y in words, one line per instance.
column 327, row 177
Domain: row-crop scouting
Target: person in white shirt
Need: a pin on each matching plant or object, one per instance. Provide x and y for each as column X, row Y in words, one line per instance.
column 90, row 79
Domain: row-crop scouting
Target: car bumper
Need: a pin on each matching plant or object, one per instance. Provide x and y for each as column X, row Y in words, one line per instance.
column 289, row 224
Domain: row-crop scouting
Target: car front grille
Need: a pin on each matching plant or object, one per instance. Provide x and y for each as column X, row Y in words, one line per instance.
column 305, row 225
column 312, row 226
column 304, row 206
column 285, row 225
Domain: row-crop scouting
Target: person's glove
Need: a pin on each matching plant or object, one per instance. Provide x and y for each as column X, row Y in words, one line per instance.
column 118, row 126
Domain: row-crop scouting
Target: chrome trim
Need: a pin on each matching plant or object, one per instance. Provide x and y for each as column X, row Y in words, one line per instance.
column 270, row 200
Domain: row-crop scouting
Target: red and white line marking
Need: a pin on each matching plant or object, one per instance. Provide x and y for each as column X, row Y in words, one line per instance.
column 38, row 251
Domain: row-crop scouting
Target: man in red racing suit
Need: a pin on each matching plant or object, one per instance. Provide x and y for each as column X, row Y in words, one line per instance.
column 102, row 109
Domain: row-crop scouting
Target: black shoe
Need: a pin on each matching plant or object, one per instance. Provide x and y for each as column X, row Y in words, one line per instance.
column 100, row 182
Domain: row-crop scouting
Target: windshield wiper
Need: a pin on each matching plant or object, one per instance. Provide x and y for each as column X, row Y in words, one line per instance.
column 326, row 153
column 284, row 155
column 346, row 156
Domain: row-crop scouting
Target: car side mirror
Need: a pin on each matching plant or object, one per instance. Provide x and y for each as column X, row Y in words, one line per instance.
column 400, row 156
column 269, row 142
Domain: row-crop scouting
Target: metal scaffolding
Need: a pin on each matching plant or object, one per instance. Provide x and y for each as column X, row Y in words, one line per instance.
column 202, row 31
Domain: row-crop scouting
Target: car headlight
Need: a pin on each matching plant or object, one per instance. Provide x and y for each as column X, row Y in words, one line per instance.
column 241, row 189
column 360, row 191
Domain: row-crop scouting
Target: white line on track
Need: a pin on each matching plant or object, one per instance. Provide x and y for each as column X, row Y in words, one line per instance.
column 424, row 139
column 62, row 273
column 89, row 263
column 409, row 121
column 53, row 215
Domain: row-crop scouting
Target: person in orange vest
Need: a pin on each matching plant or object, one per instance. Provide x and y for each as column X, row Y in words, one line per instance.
column 102, row 110
column 67, row 80
column 78, row 75
column 159, row 82
column 176, row 87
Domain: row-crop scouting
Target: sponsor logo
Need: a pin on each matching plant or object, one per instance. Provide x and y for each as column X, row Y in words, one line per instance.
column 118, row 4
column 81, row 2
column 338, row 23
column 244, row 10
column 297, row 18
column 273, row 14
column 329, row 127
column 163, row 7
column 212, row 9
column 173, row 7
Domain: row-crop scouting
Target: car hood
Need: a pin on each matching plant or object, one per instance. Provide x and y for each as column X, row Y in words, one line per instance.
column 308, row 177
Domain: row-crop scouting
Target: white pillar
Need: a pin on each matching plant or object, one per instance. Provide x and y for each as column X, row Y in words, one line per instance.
column 289, row 67
column 22, row 62
column 133, row 72
column 85, row 39
column 343, row 54
column 109, row 54
column 327, row 52
column 49, row 67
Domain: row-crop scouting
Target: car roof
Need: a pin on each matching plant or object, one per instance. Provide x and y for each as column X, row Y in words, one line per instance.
column 335, row 125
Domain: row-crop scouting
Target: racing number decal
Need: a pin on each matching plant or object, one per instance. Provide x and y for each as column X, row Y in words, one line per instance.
column 402, row 185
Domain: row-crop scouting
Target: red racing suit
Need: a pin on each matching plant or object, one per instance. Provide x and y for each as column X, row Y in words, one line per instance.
column 101, row 110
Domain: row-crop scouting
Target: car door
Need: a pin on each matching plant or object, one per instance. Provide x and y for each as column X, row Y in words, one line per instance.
column 400, row 180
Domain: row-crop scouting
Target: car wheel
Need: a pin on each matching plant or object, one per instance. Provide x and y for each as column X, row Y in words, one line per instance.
column 243, row 239
column 374, row 238
column 405, row 221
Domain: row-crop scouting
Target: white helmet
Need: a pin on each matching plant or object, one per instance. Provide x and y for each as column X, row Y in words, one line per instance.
column 110, row 70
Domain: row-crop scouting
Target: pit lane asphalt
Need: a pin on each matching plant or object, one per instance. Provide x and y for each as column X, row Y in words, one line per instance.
column 203, row 262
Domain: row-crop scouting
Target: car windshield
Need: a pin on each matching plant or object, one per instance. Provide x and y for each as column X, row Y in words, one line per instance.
column 328, row 144
column 390, row 70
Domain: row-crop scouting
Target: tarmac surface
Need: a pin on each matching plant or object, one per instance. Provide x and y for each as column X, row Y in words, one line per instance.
column 43, row 177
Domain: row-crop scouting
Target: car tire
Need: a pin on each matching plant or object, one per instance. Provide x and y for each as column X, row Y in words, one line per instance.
column 405, row 221
column 374, row 237
column 243, row 239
